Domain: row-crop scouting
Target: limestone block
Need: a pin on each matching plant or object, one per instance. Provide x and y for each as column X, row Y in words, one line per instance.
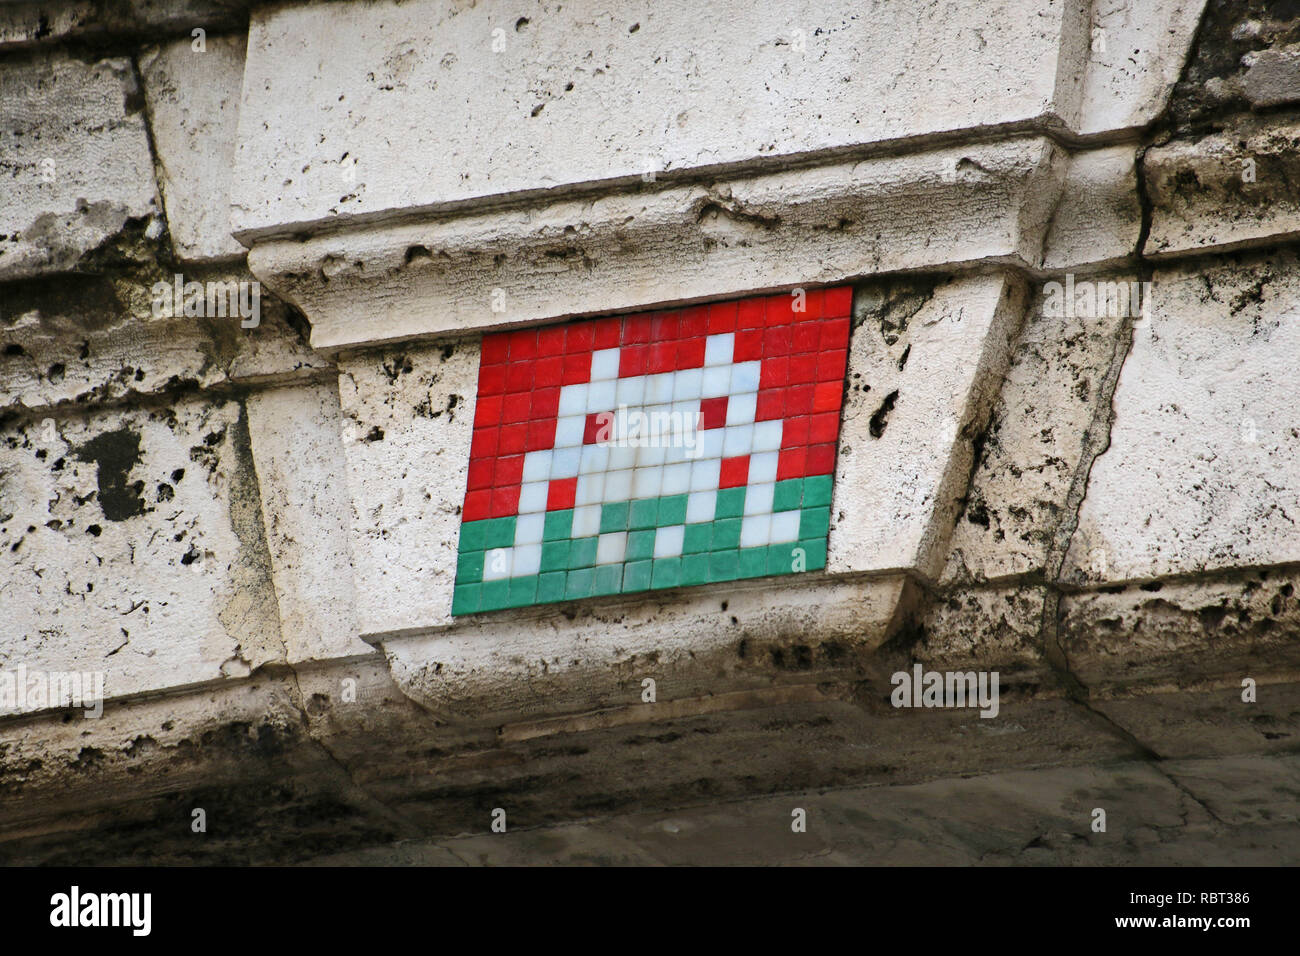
column 407, row 419
column 74, row 160
column 194, row 105
column 1225, row 190
column 905, row 439
column 296, row 437
column 550, row 96
column 700, row 642
column 1137, row 49
column 134, row 546
column 1202, row 471
column 679, row 244
column 1184, row 635
column 1037, row 440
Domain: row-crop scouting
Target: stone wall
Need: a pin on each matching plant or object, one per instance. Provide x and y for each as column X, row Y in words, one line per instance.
column 247, row 522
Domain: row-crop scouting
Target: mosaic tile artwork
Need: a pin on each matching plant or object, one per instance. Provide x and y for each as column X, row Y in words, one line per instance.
column 655, row 450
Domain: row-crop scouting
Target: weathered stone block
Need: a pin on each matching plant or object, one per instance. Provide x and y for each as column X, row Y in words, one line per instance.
column 1039, row 436
column 923, row 374
column 135, row 547
column 194, row 107
column 74, row 160
column 1225, row 190
column 947, row 207
column 677, row 87
column 1203, row 468
column 296, row 435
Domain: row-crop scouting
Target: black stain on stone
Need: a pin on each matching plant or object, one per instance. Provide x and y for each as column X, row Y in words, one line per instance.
column 115, row 453
column 881, row 416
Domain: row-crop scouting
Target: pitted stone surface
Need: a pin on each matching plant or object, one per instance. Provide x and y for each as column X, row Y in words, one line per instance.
column 407, row 419
column 1203, row 468
column 1225, row 190
column 1035, row 444
column 924, row 368
column 72, row 177
column 134, row 547
column 297, row 443
column 944, row 208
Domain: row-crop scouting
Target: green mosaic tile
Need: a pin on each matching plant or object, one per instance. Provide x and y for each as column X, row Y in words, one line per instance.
column 636, row 576
column 817, row 491
column 472, row 536
column 815, row 549
column 788, row 495
column 815, row 522
column 695, row 568
column 523, row 591
column 555, row 555
column 726, row 534
column 781, row 558
column 608, row 580
column 613, row 517
column 667, row 573
column 579, row 583
column 550, row 587
column 697, row 538
column 582, row 552
column 558, row 525
column 644, row 513
column 469, row 567
column 498, row 533
column 640, row 544
column 753, row 562
column 672, row 510
column 495, row 595
column 724, row 565
column 731, row 503
column 465, row 598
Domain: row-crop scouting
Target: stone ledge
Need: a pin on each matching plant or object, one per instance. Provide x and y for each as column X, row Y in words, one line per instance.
column 1225, row 191
column 951, row 208
column 297, row 764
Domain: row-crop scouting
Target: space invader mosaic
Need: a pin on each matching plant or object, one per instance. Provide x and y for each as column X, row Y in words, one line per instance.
column 657, row 450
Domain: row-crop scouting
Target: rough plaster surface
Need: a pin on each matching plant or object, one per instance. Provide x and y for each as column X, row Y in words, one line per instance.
column 194, row 108
column 738, row 236
column 1225, row 190
column 744, row 87
column 134, row 546
column 297, row 444
column 73, row 180
column 923, row 373
column 1203, row 468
